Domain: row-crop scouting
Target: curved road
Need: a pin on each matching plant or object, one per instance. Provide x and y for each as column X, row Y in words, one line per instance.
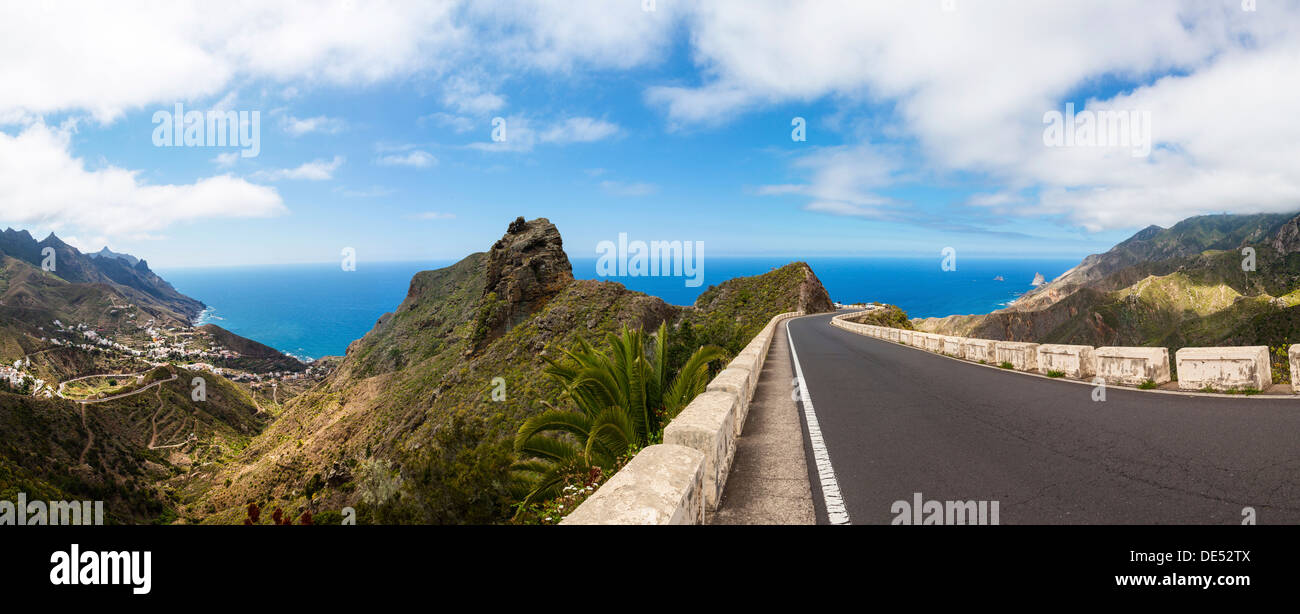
column 114, row 397
column 897, row 420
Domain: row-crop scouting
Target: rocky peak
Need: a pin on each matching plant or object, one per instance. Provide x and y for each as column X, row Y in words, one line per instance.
column 525, row 267
column 813, row 297
column 1287, row 237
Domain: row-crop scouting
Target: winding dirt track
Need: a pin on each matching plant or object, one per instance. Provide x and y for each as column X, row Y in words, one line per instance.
column 114, row 397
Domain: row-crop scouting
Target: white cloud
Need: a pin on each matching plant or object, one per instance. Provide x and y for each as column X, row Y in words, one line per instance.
column 466, row 96
column 316, row 170
column 566, row 36
column 579, row 130
column 226, row 160
column 969, row 88
column 456, row 123
column 414, row 159
column 523, row 133
column 297, row 127
column 109, row 58
column 43, row 184
column 433, row 215
column 371, row 192
column 619, row 188
column 965, row 89
column 844, row 180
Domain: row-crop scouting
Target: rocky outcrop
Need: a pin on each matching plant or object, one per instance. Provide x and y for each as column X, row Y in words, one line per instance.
column 525, row 268
column 418, row 389
column 1287, row 237
column 813, row 297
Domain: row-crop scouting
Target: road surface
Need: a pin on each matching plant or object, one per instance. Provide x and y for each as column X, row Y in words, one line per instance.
column 895, row 421
column 114, row 397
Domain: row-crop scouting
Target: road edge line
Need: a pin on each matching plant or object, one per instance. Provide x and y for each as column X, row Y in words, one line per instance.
column 836, row 512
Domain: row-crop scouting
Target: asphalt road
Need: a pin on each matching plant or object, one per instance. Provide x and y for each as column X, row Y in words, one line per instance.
column 897, row 420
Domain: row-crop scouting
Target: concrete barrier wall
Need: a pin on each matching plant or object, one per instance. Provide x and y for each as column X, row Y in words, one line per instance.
column 1224, row 368
column 978, row 350
column 1077, row 361
column 662, row 484
column 708, row 424
column 1293, row 356
column 1022, row 356
column 1132, row 366
column 934, row 343
column 736, row 383
column 1219, row 368
column 681, row 481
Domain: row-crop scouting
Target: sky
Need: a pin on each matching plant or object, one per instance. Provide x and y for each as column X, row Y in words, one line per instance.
column 925, row 124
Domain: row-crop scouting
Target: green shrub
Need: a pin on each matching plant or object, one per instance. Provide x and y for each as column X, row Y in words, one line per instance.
column 1056, row 373
column 1147, row 385
column 328, row 517
column 1006, row 365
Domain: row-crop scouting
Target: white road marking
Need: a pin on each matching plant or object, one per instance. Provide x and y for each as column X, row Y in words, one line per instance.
column 835, row 509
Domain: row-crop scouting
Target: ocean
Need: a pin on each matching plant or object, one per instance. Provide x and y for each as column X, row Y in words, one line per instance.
column 316, row 310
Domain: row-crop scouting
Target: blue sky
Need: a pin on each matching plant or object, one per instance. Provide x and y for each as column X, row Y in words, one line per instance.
column 666, row 124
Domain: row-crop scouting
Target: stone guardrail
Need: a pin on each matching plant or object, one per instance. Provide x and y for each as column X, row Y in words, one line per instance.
column 1131, row 366
column 681, row 480
column 1228, row 368
column 1209, row 369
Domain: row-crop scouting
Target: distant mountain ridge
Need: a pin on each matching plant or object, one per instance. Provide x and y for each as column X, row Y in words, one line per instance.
column 1171, row 287
column 107, row 253
column 124, row 275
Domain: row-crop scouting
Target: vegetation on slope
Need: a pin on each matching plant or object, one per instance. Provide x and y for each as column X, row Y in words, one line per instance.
column 429, row 401
column 615, row 401
column 890, row 316
column 1178, row 287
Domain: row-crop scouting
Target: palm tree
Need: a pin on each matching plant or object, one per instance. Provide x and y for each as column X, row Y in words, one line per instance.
column 623, row 396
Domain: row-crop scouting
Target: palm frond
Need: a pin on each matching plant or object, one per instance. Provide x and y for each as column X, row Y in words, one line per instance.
column 549, row 448
column 612, row 433
column 570, row 422
column 692, row 380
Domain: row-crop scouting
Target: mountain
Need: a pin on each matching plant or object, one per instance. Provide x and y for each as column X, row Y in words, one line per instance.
column 253, row 356
column 407, row 428
column 107, row 253
column 92, row 324
column 134, row 453
column 120, row 277
column 1172, row 287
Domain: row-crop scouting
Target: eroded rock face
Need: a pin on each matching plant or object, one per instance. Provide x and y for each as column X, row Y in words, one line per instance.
column 1287, row 237
column 525, row 267
column 813, row 297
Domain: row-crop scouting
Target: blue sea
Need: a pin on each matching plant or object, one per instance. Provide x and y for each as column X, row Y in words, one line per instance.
column 316, row 310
